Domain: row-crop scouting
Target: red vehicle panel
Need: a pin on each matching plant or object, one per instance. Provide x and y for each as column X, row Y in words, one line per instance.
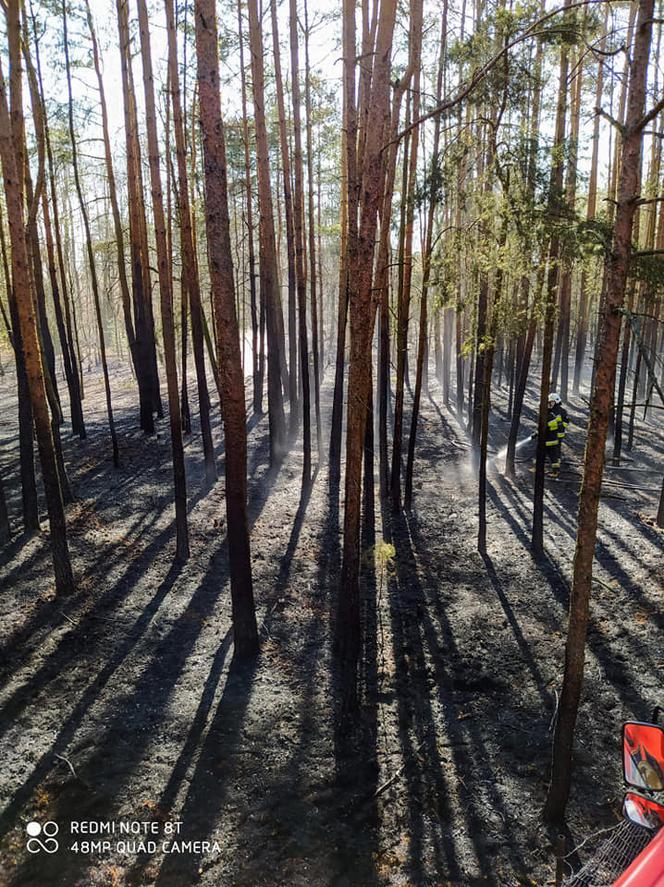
column 647, row 870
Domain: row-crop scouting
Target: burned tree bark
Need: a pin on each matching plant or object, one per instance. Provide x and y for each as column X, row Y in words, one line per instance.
column 228, row 339
column 11, row 149
column 293, row 392
column 88, row 245
column 190, row 269
column 300, row 265
column 165, row 292
column 257, row 367
column 362, row 303
column 148, row 386
column 267, row 247
column 616, row 270
column 553, row 276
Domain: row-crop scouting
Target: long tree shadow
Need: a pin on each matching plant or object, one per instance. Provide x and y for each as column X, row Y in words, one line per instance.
column 50, row 613
column 82, row 801
column 427, row 786
column 615, row 669
column 108, row 557
column 203, row 803
column 428, row 645
column 143, row 705
column 8, row 551
column 523, row 645
column 132, row 721
column 55, row 611
column 81, row 639
column 354, row 738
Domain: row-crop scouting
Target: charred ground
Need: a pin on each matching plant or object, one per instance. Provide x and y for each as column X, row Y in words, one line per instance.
column 124, row 701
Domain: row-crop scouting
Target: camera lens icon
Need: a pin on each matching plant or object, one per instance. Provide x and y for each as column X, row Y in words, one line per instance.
column 42, row 837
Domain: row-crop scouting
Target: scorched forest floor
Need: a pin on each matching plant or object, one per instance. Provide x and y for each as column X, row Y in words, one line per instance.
column 123, row 702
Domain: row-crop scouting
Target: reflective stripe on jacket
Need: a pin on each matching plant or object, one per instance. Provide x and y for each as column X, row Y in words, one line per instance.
column 554, row 425
column 563, row 422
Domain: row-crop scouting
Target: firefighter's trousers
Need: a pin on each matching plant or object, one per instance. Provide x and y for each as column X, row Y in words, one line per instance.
column 553, row 453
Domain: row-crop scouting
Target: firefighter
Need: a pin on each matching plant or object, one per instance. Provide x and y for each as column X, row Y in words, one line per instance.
column 557, row 421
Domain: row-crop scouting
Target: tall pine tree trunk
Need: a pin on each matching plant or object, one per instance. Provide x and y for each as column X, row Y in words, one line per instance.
column 300, row 258
column 362, row 310
column 257, row 371
column 313, row 286
column 190, row 270
column 29, row 503
column 422, row 350
column 88, row 245
column 267, row 247
column 583, row 307
column 293, row 375
column 11, row 151
column 139, row 273
column 165, row 292
column 230, row 364
column 555, row 197
column 616, row 270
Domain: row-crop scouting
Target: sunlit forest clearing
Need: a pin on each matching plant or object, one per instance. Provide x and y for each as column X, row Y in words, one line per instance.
column 331, row 480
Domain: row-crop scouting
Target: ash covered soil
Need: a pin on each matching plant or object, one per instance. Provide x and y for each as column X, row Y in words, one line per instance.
column 122, row 702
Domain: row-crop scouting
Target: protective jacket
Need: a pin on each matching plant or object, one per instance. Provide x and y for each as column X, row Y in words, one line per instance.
column 555, row 429
column 563, row 422
column 557, row 421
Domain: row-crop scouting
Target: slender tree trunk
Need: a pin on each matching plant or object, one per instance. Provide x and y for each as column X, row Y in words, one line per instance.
column 30, row 509
column 165, row 292
column 267, row 247
column 422, row 351
column 346, row 214
column 230, row 364
column 319, row 253
column 555, row 194
column 190, row 270
column 64, row 325
column 293, row 391
column 487, row 368
column 33, row 198
column 313, row 288
column 561, row 360
column 342, row 317
column 184, row 388
column 8, row 285
column 362, row 302
column 616, row 271
column 403, row 303
column 439, row 353
column 113, row 198
column 526, row 338
column 139, row 273
column 257, row 373
column 300, row 265
column 583, row 309
column 11, row 150
column 382, row 282
column 88, row 245
column 622, row 383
